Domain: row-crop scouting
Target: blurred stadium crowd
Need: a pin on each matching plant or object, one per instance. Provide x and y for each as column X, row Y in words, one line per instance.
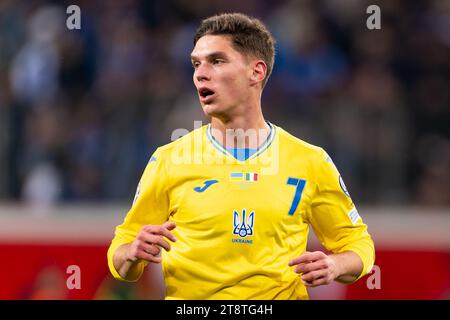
column 81, row 111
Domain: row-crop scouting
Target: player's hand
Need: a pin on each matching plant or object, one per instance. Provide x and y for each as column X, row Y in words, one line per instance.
column 149, row 241
column 316, row 268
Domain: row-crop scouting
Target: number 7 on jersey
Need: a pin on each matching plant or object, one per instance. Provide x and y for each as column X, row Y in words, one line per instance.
column 299, row 185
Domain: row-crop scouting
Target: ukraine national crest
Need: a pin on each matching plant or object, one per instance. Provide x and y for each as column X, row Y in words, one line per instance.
column 243, row 226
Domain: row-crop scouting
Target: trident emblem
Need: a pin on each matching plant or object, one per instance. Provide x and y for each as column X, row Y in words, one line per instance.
column 242, row 227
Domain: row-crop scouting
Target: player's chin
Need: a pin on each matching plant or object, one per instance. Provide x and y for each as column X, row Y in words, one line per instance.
column 210, row 109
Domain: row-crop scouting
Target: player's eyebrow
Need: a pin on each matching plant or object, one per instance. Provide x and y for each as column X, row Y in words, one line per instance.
column 211, row 56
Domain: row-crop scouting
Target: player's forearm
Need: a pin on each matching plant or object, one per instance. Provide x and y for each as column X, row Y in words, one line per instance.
column 349, row 266
column 127, row 269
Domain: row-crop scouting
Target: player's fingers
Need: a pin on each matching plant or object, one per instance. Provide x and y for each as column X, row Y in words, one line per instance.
column 308, row 267
column 162, row 230
column 149, row 257
column 316, row 282
column 166, row 227
column 300, row 259
column 169, row 225
column 145, row 247
column 158, row 240
column 307, row 257
column 151, row 249
column 314, row 275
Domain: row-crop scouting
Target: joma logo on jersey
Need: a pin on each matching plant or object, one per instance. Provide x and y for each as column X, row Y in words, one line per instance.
column 243, row 226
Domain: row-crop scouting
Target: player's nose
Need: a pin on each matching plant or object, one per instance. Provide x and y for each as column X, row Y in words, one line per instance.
column 202, row 73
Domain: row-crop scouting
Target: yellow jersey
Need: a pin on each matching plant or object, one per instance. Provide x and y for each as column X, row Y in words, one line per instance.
column 240, row 221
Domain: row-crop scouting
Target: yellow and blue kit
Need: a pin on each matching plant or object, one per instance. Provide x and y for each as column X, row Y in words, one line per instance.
column 241, row 219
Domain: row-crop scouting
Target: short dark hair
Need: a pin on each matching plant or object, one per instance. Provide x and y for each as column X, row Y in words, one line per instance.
column 248, row 36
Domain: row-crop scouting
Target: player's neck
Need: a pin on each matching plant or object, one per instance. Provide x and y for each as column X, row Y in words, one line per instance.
column 241, row 132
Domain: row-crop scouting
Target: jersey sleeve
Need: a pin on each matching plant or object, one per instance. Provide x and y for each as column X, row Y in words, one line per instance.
column 335, row 219
column 150, row 207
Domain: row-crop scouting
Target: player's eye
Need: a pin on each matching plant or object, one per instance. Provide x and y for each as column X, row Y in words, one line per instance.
column 195, row 64
column 217, row 61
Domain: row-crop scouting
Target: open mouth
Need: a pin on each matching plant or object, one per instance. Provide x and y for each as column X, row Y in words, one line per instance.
column 205, row 92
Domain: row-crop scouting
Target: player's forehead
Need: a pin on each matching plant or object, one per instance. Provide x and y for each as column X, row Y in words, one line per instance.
column 212, row 45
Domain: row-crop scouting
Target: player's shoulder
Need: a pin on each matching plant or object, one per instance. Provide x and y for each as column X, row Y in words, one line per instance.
column 299, row 145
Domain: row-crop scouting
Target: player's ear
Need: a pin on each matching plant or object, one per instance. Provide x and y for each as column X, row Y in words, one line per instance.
column 259, row 71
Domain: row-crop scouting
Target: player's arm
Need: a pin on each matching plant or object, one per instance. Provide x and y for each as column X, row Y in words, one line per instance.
column 145, row 230
column 339, row 228
column 349, row 266
column 128, row 258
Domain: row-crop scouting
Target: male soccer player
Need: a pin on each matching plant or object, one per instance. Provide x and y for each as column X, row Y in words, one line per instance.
column 231, row 202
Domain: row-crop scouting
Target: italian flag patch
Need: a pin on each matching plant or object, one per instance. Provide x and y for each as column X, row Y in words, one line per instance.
column 251, row 176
